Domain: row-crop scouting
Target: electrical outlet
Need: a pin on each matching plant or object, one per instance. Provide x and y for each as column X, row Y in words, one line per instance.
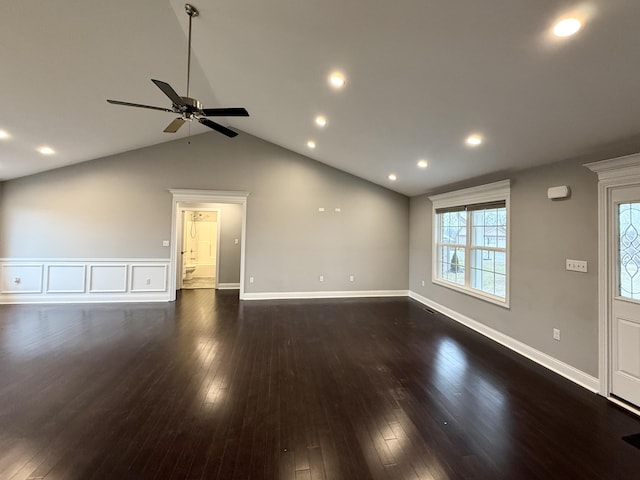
column 321, row 278
column 423, row 283
column 351, row 278
column 147, row 281
column 165, row 243
column 250, row 279
column 556, row 334
column 577, row 265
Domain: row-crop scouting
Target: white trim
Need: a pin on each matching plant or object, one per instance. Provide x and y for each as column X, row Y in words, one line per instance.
column 483, row 193
column 22, row 299
column 123, row 291
column 325, row 294
column 75, row 261
column 487, row 297
column 612, row 173
column 181, row 197
column 571, row 373
column 624, row 405
column 82, row 289
column 162, row 288
column 96, row 266
column 228, row 286
column 38, row 265
column 617, row 169
column 480, row 194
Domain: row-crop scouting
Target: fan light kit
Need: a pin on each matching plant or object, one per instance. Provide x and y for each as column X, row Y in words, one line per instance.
column 321, row 121
column 423, row 164
column 186, row 107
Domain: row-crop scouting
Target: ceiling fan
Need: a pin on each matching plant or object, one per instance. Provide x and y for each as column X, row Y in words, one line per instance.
column 189, row 108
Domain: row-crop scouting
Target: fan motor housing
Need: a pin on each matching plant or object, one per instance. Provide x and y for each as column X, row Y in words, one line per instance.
column 192, row 105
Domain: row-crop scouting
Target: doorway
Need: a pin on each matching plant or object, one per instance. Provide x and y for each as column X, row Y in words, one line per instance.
column 185, row 201
column 199, row 251
column 619, row 279
column 625, row 295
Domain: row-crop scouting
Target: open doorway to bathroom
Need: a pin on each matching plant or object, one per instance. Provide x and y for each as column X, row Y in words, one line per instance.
column 200, row 239
column 231, row 219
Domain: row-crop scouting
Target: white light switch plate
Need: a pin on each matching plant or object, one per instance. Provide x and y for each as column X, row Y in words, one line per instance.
column 577, row 265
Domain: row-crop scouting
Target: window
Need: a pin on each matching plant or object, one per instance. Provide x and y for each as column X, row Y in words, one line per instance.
column 471, row 230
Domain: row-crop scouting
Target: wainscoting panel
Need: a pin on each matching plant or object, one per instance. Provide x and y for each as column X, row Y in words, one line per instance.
column 149, row 278
column 66, row 278
column 108, row 278
column 22, row 278
column 83, row 280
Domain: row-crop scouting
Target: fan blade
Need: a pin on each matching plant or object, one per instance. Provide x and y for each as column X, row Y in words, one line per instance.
column 174, row 126
column 217, row 127
column 128, row 104
column 225, row 112
column 170, row 92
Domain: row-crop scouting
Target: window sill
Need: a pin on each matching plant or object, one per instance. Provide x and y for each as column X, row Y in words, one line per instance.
column 504, row 303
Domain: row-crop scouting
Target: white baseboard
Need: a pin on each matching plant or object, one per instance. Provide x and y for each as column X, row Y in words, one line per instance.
column 338, row 294
column 228, row 286
column 577, row 376
column 8, row 299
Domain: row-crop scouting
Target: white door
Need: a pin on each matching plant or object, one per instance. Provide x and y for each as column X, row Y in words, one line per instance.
column 625, row 297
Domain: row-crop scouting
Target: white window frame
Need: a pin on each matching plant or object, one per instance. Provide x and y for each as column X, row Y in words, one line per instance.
column 492, row 192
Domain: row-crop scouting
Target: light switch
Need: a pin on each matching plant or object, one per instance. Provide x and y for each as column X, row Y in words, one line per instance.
column 165, row 243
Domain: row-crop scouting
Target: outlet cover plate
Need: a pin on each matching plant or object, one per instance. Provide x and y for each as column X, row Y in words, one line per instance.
column 577, row 265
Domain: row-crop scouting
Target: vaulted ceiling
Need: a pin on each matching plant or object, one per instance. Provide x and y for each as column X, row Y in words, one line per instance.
column 421, row 75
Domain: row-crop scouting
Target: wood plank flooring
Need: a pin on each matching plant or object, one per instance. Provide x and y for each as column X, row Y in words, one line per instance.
column 211, row 388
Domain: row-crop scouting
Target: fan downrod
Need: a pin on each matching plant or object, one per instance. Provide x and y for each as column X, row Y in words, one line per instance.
column 191, row 10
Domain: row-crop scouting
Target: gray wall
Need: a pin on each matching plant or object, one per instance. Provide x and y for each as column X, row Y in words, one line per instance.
column 230, row 228
column 543, row 294
column 120, row 207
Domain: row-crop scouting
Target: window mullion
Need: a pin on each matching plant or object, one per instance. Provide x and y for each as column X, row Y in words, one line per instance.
column 467, row 253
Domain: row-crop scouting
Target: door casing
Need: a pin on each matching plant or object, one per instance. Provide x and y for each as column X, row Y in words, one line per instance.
column 182, row 200
column 612, row 174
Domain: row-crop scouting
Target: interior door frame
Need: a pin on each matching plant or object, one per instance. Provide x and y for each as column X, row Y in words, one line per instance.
column 204, row 207
column 613, row 174
column 181, row 199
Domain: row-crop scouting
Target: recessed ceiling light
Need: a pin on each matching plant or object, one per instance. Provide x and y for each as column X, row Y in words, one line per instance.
column 567, row 27
column 4, row 134
column 46, row 150
column 423, row 164
column 311, row 144
column 392, row 177
column 474, row 140
column 337, row 80
column 321, row 121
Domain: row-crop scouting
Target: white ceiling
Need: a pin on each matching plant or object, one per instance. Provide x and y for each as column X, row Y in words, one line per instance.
column 421, row 75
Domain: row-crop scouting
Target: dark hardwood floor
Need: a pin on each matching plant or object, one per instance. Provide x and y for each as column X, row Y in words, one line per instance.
column 208, row 388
